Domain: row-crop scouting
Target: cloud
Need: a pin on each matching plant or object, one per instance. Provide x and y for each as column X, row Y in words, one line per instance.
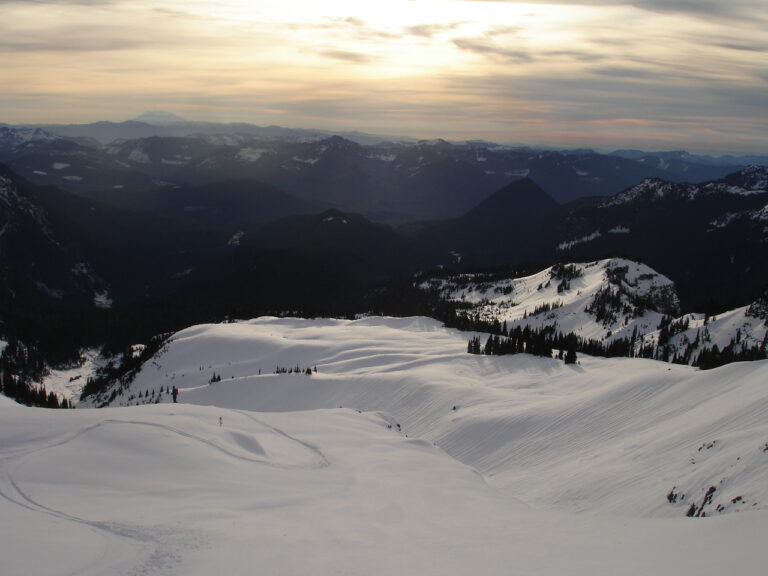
column 347, row 56
column 627, row 72
column 742, row 10
column 429, row 30
column 579, row 55
column 78, row 38
column 741, row 47
column 71, row 45
column 440, row 69
column 482, row 47
column 749, row 10
column 63, row 2
column 364, row 30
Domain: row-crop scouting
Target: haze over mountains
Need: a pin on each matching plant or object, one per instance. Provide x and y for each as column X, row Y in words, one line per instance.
column 392, row 179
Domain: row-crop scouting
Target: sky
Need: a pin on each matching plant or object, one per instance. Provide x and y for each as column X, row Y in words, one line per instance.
column 606, row 74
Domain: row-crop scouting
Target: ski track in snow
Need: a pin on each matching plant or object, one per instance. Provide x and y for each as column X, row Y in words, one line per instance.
column 311, row 447
column 403, row 453
column 148, row 549
column 528, row 425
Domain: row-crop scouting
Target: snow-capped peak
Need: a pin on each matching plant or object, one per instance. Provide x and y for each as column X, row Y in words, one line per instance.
column 749, row 181
column 17, row 137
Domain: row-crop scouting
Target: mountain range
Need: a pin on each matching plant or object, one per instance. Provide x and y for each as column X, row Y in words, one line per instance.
column 112, row 244
column 143, row 243
column 392, row 181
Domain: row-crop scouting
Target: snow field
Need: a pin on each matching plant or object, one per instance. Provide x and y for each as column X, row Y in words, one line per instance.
column 403, row 453
column 607, row 436
column 165, row 490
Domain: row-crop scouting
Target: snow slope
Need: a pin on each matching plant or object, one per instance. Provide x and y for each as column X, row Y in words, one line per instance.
column 571, row 297
column 402, row 453
column 736, row 328
column 515, row 300
column 528, row 424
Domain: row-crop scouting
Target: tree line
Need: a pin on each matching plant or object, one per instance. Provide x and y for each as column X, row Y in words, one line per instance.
column 22, row 368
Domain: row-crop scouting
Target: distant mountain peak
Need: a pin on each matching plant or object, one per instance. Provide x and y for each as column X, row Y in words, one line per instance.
column 519, row 194
column 753, row 178
column 748, row 181
column 158, row 117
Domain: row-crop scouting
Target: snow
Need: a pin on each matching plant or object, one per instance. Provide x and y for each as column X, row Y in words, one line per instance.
column 739, row 191
column 101, row 299
column 384, row 157
column 40, row 172
column 619, row 230
column 584, row 239
column 761, row 214
column 60, row 165
column 73, row 178
column 139, row 156
column 498, row 464
column 68, row 382
column 718, row 330
column 306, row 160
column 52, row 292
column 654, row 189
column 24, row 136
column 515, row 300
column 335, row 219
column 251, row 154
column 724, row 220
column 236, row 238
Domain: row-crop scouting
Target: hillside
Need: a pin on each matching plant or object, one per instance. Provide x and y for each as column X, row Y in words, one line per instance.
column 505, row 417
column 399, row 451
column 518, row 223
column 692, row 233
column 605, row 301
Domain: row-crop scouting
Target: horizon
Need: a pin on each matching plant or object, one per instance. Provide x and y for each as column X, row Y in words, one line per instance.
column 604, row 74
column 395, row 138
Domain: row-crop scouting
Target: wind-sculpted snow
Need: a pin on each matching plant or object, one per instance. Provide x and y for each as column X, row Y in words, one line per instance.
column 528, row 424
column 401, row 453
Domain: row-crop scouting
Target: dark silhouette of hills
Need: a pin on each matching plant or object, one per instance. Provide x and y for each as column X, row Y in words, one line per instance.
column 519, row 223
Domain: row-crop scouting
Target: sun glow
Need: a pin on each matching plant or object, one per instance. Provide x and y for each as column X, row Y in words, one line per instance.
column 443, row 66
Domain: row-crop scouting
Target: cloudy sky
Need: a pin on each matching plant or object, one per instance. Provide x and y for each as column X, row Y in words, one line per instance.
column 652, row 74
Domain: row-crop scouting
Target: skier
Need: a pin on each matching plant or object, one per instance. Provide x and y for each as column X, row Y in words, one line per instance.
column 175, row 393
